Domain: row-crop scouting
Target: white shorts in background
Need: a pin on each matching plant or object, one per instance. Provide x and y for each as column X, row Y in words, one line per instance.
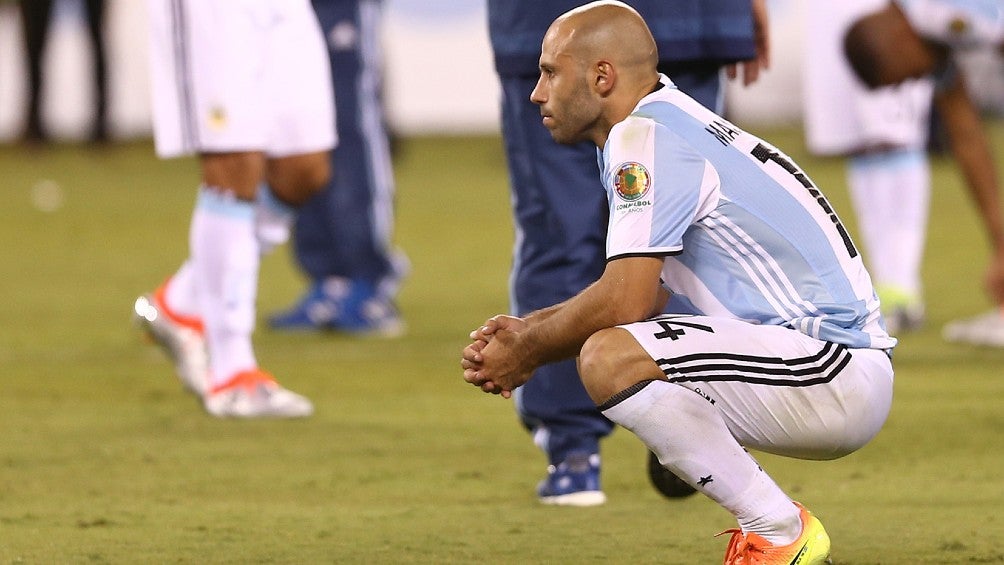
column 842, row 116
column 239, row 75
column 778, row 390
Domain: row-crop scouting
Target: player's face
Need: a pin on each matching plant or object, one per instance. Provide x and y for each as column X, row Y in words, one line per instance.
column 563, row 94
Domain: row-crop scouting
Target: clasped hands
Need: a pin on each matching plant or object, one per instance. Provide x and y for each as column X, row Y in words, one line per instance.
column 493, row 361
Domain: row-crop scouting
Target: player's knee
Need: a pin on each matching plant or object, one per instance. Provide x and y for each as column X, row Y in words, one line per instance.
column 610, row 361
column 295, row 179
column 239, row 173
column 317, row 175
column 310, row 177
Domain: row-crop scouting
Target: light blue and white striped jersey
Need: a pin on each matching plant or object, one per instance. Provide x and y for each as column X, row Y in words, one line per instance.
column 957, row 23
column 745, row 233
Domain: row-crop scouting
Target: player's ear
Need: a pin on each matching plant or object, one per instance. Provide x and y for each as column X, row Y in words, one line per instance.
column 606, row 75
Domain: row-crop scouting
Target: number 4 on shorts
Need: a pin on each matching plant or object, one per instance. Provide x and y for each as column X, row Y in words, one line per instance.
column 673, row 328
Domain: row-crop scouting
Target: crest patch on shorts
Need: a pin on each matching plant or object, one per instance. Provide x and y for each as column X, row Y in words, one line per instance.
column 217, row 118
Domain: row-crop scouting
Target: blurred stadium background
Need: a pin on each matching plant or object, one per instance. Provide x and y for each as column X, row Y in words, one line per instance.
column 439, row 70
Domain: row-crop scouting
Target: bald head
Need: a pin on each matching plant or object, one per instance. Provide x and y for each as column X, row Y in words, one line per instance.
column 884, row 49
column 607, row 30
column 596, row 62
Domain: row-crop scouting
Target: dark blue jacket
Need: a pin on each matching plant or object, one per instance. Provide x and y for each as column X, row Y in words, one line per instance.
column 685, row 30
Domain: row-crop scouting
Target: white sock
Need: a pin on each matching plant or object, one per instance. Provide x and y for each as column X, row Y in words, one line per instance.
column 691, row 439
column 891, row 193
column 225, row 261
column 273, row 219
column 180, row 293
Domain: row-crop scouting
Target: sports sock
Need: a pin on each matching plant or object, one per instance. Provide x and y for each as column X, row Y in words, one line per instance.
column 891, row 194
column 273, row 219
column 180, row 292
column 691, row 439
column 225, row 261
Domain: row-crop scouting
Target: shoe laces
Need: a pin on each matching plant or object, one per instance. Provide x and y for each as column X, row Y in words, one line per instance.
column 744, row 549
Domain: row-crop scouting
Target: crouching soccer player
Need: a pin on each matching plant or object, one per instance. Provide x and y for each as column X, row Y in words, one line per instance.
column 783, row 349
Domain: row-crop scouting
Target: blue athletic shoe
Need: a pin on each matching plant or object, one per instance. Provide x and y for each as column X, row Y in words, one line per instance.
column 340, row 304
column 573, row 482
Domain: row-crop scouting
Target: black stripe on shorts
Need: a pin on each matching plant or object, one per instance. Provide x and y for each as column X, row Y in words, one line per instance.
column 819, row 368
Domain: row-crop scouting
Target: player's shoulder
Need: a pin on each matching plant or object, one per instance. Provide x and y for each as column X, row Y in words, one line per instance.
column 652, row 117
column 632, row 128
column 631, row 138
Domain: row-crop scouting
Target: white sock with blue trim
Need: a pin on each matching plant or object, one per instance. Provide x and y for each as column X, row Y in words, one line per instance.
column 225, row 257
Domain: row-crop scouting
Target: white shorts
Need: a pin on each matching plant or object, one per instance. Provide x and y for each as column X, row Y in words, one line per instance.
column 239, row 75
column 778, row 390
column 842, row 115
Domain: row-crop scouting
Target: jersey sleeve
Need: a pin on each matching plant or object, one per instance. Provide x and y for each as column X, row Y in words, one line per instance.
column 657, row 186
column 957, row 23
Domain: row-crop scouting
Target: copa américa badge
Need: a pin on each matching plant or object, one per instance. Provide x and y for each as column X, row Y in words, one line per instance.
column 632, row 181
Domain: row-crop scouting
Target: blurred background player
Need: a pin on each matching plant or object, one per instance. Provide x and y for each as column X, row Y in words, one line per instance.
column 246, row 87
column 884, row 135
column 560, row 226
column 36, row 21
column 915, row 38
column 342, row 236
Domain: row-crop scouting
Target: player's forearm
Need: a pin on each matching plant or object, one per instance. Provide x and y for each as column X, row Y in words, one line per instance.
column 538, row 316
column 627, row 292
column 561, row 333
column 971, row 149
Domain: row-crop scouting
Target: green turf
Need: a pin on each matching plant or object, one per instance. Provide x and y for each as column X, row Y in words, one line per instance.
column 103, row 458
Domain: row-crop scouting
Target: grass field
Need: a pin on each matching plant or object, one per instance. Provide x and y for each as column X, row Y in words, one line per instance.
column 103, row 458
